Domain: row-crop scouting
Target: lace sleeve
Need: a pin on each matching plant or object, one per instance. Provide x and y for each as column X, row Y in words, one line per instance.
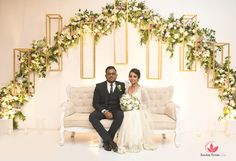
column 144, row 98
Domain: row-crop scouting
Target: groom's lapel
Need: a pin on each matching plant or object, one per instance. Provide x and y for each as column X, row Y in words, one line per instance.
column 116, row 89
column 105, row 91
column 105, row 88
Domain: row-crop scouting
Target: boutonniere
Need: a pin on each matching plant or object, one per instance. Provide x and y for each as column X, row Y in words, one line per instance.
column 119, row 87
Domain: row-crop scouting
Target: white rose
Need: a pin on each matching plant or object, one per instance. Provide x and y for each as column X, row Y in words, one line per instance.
column 185, row 33
column 73, row 23
column 232, row 103
column 170, row 25
column 176, row 36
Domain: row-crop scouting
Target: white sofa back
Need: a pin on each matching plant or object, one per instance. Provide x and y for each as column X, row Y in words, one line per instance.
column 157, row 98
column 81, row 98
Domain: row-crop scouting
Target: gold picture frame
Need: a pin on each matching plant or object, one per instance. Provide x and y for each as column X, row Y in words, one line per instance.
column 159, row 52
column 22, row 51
column 82, row 75
column 214, row 45
column 49, row 18
column 187, row 18
column 125, row 62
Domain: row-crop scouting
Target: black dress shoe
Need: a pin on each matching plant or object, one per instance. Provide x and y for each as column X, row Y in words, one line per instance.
column 113, row 145
column 107, row 146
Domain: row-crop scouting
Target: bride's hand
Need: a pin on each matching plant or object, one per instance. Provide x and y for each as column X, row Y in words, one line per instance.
column 108, row 115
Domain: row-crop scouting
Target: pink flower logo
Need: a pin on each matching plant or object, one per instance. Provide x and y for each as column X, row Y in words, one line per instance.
column 211, row 147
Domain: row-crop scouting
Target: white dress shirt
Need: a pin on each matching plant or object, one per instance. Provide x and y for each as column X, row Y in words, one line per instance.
column 109, row 86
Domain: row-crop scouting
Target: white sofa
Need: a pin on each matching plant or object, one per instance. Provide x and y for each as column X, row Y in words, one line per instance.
column 76, row 110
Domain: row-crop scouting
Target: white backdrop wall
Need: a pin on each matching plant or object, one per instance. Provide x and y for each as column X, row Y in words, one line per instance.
column 24, row 20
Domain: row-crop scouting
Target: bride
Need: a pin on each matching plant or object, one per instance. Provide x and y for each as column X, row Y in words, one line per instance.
column 135, row 132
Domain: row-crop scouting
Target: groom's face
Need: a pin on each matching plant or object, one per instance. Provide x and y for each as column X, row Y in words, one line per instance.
column 111, row 75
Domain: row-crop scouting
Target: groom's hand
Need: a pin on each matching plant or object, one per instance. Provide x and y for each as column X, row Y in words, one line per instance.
column 108, row 115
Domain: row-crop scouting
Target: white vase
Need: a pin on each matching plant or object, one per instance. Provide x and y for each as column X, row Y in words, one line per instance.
column 6, row 126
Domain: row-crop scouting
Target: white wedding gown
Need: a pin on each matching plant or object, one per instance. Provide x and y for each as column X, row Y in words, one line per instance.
column 135, row 133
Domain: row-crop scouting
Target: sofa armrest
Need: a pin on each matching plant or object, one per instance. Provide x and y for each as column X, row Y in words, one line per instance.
column 67, row 108
column 170, row 110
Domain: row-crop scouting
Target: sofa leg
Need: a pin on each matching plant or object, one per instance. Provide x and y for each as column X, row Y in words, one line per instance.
column 177, row 143
column 72, row 136
column 163, row 136
column 62, row 139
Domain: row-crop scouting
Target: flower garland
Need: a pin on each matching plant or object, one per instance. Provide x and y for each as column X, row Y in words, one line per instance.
column 171, row 31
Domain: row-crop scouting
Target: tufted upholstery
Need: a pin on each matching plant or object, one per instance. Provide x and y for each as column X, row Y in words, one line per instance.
column 159, row 98
column 81, row 98
column 79, row 105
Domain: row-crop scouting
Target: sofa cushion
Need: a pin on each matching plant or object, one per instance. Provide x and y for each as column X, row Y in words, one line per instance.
column 161, row 121
column 82, row 120
column 81, row 98
column 159, row 98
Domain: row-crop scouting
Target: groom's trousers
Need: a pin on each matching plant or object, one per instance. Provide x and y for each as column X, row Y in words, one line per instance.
column 107, row 136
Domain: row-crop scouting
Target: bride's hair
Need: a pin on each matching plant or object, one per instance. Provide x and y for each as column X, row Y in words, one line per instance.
column 136, row 71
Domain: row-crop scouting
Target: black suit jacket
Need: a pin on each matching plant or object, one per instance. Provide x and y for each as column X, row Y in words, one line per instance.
column 100, row 95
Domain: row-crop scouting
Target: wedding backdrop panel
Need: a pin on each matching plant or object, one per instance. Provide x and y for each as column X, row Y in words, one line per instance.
column 219, row 51
column 19, row 56
column 87, row 57
column 121, row 45
column 54, row 25
column 154, row 59
column 188, row 19
column 191, row 92
column 121, row 38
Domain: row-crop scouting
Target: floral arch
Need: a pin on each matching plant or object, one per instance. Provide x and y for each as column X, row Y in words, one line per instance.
column 171, row 31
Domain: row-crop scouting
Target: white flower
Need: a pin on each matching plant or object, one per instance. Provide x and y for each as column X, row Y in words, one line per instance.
column 176, row 36
column 4, row 104
column 167, row 34
column 170, row 25
column 129, row 102
column 225, row 93
column 105, row 10
column 232, row 103
column 119, row 87
column 185, row 33
column 73, row 23
column 15, row 98
column 99, row 27
column 135, row 8
column 68, row 37
column 156, row 18
column 222, row 80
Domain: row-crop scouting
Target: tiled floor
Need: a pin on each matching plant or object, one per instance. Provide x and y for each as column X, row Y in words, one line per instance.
column 35, row 145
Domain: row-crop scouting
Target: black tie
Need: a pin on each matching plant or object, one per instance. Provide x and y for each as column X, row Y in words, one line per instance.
column 111, row 89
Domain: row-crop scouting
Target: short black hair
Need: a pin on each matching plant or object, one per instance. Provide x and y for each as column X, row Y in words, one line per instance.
column 136, row 71
column 110, row 67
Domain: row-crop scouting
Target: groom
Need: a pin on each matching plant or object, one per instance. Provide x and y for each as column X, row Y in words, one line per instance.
column 106, row 102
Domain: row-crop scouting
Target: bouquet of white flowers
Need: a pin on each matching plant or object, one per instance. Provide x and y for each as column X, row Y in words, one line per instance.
column 129, row 102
